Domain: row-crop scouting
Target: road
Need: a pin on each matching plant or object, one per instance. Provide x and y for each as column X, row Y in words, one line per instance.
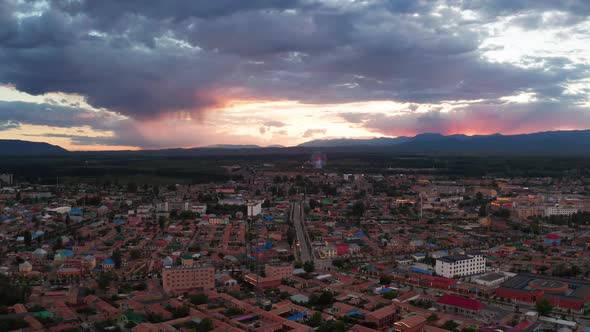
column 304, row 251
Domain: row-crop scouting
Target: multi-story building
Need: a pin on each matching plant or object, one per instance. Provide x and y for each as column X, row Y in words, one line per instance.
column 278, row 270
column 524, row 212
column 254, row 208
column 560, row 211
column 181, row 278
column 460, row 265
column 384, row 317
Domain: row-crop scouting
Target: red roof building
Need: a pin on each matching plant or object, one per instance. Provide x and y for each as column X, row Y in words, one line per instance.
column 460, row 302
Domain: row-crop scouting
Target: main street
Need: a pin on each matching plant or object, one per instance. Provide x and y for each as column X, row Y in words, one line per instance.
column 304, row 251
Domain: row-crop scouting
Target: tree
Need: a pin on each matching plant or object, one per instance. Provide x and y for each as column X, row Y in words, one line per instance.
column 479, row 196
column 543, row 307
column 390, row 295
column 28, row 238
column 313, row 203
column 358, row 209
column 308, row 266
column 117, row 258
column 131, row 187
column 200, row 298
column 450, row 325
column 104, row 280
column 384, row 280
column 205, row 325
column 332, row 326
column 162, row 222
column 316, row 319
column 291, row 235
column 326, row 298
column 181, row 311
column 188, row 215
column 432, row 318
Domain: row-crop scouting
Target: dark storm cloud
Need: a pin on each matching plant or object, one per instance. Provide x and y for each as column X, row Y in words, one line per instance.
column 56, row 116
column 145, row 60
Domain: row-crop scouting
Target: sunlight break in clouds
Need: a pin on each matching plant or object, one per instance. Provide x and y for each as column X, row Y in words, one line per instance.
column 123, row 75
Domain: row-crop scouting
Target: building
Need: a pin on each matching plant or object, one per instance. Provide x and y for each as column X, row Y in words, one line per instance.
column 254, row 208
column 524, row 212
column 283, row 271
column 186, row 278
column 25, row 267
column 410, row 324
column 459, row 305
column 560, row 211
column 492, row 279
column 552, row 240
column 384, row 317
column 563, row 293
column 327, row 252
column 7, row 178
column 460, row 265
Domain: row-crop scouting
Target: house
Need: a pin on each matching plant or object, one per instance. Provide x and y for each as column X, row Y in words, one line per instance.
column 413, row 323
column 459, row 305
column 384, row 317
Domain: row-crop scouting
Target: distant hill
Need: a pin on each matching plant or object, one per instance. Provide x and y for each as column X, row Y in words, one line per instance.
column 574, row 142
column 26, row 148
column 343, row 142
column 231, row 146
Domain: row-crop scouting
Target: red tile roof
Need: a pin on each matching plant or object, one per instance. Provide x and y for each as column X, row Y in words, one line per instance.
column 462, row 302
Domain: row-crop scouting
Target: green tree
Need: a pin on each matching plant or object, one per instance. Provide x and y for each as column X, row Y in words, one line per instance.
column 358, row 209
column 200, row 298
column 316, row 319
column 188, row 215
column 308, row 266
column 543, row 307
column 313, row 203
column 326, row 298
column 450, row 325
column 205, row 325
column 181, row 311
column 332, row 326
column 28, row 237
column 131, row 187
column 117, row 258
column 291, row 235
column 104, row 280
column 11, row 324
column 390, row 295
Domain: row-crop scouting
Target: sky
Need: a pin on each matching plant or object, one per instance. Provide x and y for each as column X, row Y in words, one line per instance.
column 135, row 74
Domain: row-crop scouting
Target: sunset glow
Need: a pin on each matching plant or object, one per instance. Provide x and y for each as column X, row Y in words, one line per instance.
column 271, row 74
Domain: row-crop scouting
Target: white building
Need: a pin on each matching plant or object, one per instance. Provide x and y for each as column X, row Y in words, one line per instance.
column 254, row 208
column 7, row 178
column 460, row 265
column 560, row 211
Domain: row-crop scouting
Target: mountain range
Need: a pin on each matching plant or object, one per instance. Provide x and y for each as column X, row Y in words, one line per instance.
column 551, row 143
column 9, row 147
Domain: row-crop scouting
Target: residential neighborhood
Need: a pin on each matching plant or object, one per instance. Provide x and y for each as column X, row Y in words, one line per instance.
column 298, row 251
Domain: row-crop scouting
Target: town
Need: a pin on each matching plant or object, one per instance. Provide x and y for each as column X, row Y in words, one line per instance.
column 297, row 249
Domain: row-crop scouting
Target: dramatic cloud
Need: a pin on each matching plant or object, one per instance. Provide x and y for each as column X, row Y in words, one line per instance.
column 179, row 62
column 479, row 119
